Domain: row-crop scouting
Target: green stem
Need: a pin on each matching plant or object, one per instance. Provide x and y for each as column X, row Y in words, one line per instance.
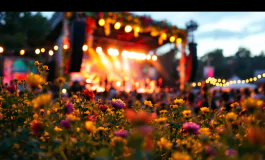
column 60, row 92
column 63, row 155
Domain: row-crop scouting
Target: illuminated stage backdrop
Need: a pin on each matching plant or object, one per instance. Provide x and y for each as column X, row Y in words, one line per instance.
column 17, row 68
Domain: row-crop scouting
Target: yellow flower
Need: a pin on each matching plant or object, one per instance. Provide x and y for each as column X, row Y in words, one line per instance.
column 72, row 117
column 102, row 129
column 36, row 63
column 163, row 111
column 164, row 143
column 179, row 101
column 41, row 100
column 251, row 103
column 180, row 156
column 205, row 131
column 35, row 116
column 231, row 116
column 75, row 97
column 205, row 109
column 45, row 67
column 235, row 104
column 90, row 126
column 148, row 103
column 16, row 145
column 77, row 129
column 1, row 99
column 161, row 120
column 57, row 129
column 174, row 106
column 60, row 80
column 186, row 113
column 34, row 80
column 117, row 140
column 14, row 106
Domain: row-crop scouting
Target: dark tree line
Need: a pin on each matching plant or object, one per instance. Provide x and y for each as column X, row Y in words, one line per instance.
column 242, row 64
column 22, row 29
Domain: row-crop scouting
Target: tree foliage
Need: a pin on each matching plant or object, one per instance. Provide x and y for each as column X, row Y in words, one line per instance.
column 22, row 29
column 242, row 64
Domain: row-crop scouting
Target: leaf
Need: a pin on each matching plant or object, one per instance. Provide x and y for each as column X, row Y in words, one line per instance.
column 103, row 152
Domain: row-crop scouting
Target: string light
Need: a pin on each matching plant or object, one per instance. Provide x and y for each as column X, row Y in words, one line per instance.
column 224, row 83
column 42, row 50
column 65, row 46
column 37, row 51
column 22, row 52
column 55, row 47
column 1, row 49
column 50, row 52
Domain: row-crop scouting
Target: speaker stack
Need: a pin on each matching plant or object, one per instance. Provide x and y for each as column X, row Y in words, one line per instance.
column 78, row 35
column 192, row 63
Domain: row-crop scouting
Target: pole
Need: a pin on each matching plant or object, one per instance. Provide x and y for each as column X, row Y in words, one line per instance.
column 182, row 67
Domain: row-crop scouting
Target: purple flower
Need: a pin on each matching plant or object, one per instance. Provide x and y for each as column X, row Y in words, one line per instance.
column 191, row 127
column 66, row 124
column 69, row 108
column 230, row 152
column 117, row 103
column 121, row 133
column 11, row 88
column 209, row 151
column 103, row 107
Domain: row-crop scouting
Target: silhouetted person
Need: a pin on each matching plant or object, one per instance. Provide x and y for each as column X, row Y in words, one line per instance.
column 76, row 87
column 226, row 101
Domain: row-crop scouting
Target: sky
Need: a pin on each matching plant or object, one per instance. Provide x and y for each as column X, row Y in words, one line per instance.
column 222, row 30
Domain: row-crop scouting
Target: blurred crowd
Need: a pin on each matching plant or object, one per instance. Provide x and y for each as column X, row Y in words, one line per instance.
column 194, row 99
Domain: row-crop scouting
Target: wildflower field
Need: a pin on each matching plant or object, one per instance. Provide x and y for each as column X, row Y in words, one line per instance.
column 35, row 126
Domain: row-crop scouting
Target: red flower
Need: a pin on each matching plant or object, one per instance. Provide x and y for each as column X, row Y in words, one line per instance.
column 89, row 94
column 36, row 127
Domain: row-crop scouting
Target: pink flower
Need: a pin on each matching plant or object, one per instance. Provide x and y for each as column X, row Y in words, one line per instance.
column 191, row 127
column 121, row 133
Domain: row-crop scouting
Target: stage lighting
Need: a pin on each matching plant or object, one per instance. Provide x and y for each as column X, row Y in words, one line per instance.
column 154, row 57
column 117, row 25
column 101, row 22
column 128, row 29
column 99, row 50
column 85, row 48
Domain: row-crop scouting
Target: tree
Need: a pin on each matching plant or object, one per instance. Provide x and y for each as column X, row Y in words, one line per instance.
column 22, row 29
